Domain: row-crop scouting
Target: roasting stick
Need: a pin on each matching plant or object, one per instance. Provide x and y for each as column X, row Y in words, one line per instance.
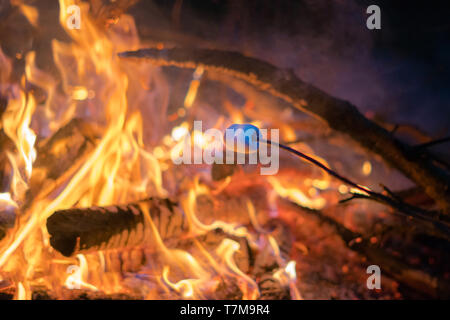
column 248, row 138
column 321, row 165
column 442, row 228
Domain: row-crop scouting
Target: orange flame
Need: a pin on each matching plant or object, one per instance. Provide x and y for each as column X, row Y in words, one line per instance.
column 123, row 167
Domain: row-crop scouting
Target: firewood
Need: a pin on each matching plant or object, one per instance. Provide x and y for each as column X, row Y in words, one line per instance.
column 83, row 294
column 122, row 226
column 271, row 289
column 98, row 228
column 246, row 259
column 3, row 105
column 7, row 219
column 340, row 115
column 59, row 157
column 85, row 230
column 94, row 226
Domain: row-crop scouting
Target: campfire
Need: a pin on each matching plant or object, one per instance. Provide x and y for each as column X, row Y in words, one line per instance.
column 93, row 205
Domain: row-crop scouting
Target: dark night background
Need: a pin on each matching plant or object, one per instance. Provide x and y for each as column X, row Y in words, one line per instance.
column 400, row 73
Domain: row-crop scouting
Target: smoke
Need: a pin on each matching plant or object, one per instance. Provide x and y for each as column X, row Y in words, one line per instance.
column 377, row 70
column 400, row 73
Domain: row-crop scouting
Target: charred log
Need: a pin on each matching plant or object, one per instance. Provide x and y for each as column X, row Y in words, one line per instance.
column 99, row 228
column 261, row 263
column 121, row 226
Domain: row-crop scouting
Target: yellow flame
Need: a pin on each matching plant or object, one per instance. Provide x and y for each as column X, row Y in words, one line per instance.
column 120, row 168
column 189, row 205
column 22, row 293
column 185, row 287
column 296, row 195
column 16, row 124
column 226, row 250
column 78, row 275
column 5, row 199
column 287, row 276
column 193, row 87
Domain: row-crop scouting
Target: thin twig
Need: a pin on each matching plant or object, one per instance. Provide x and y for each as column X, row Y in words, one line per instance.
column 430, row 219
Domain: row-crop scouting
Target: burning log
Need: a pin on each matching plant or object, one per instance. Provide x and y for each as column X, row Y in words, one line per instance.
column 99, row 228
column 59, row 157
column 340, row 115
column 263, row 263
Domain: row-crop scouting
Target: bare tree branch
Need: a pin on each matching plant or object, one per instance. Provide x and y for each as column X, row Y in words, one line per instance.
column 340, row 115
